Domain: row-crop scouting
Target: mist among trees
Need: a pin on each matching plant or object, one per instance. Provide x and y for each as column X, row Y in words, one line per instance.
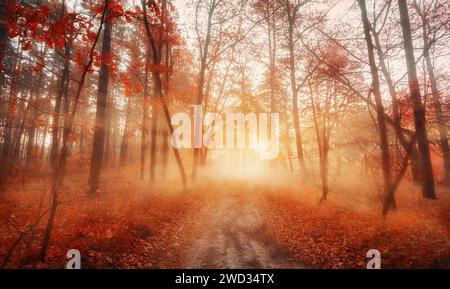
column 88, row 94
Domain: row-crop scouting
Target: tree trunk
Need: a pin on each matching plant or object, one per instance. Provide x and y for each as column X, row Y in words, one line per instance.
column 123, row 155
column 415, row 166
column 156, row 53
column 7, row 145
column 171, row 130
column 145, row 117
column 32, row 125
column 164, row 152
column 384, row 143
column 443, row 133
column 296, row 117
column 61, row 92
column 201, row 81
column 100, row 118
column 108, row 129
column 428, row 190
column 154, row 141
column 324, row 172
column 4, row 39
column 415, row 161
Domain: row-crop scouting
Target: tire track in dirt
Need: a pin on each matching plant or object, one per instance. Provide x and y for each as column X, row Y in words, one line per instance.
column 230, row 232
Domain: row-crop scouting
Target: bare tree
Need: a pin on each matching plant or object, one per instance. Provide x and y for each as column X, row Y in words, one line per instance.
column 428, row 189
column 435, row 23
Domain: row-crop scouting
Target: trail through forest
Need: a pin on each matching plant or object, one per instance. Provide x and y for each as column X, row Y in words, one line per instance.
column 231, row 233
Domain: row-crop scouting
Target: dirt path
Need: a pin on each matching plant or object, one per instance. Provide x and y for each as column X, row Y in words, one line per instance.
column 231, row 234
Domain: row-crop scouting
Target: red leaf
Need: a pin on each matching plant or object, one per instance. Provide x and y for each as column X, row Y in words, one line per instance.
column 27, row 46
column 98, row 9
column 137, row 87
column 60, row 43
column 79, row 58
column 91, row 36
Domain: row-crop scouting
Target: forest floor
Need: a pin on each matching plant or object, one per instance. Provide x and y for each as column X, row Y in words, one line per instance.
column 218, row 224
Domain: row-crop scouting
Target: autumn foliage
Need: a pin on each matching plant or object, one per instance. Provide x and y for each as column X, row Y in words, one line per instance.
column 338, row 236
column 89, row 91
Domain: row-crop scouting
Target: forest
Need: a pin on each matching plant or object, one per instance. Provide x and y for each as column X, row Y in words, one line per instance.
column 224, row 133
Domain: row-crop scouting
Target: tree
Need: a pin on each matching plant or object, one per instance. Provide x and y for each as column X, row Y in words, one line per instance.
column 155, row 38
column 326, row 105
column 144, row 144
column 428, row 190
column 435, row 22
column 396, row 116
column 384, row 145
column 98, row 147
column 292, row 12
